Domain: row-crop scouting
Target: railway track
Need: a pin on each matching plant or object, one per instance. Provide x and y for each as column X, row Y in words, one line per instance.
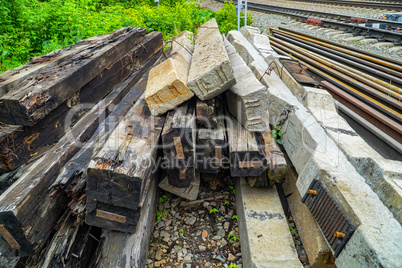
column 367, row 87
column 306, row 14
column 377, row 5
column 341, row 22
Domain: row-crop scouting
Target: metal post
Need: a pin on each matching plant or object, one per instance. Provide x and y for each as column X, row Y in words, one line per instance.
column 245, row 13
column 239, row 4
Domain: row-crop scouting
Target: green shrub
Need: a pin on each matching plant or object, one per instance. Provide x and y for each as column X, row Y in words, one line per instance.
column 30, row 28
column 227, row 19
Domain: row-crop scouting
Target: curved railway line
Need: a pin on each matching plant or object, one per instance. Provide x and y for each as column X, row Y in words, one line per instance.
column 368, row 87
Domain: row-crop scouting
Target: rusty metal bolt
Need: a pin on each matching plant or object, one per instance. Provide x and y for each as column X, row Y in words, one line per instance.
column 312, row 192
column 339, row 235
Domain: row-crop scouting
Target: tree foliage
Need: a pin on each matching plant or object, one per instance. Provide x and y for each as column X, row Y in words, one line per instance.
column 30, row 28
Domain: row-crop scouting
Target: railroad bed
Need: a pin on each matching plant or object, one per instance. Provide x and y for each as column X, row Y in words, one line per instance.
column 135, row 125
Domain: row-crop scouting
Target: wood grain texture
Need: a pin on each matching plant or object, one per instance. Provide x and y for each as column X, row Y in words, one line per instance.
column 27, row 208
column 17, row 143
column 278, row 167
column 119, row 174
column 245, row 148
column 12, row 78
column 206, row 113
column 37, row 96
column 126, row 250
column 180, row 123
column 212, row 147
column 72, row 176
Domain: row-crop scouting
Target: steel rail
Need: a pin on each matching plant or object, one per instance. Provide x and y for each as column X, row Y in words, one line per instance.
column 370, row 67
column 371, row 106
column 306, row 14
column 367, row 78
column 390, row 144
column 396, row 6
column 387, row 62
column 385, row 35
column 383, row 105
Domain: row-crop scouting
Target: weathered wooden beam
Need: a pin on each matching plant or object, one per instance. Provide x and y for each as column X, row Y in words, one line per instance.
column 181, row 177
column 10, row 79
column 247, row 100
column 212, row 147
column 130, row 250
column 246, row 153
column 18, row 143
column 72, row 177
column 119, row 174
column 189, row 193
column 111, row 217
column 206, row 113
column 179, row 136
column 278, row 167
column 73, row 245
column 28, row 209
column 37, row 96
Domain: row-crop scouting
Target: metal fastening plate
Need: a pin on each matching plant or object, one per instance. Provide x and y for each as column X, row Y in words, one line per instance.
column 179, row 147
column 110, row 216
column 218, row 155
column 329, row 216
column 8, row 237
column 297, row 71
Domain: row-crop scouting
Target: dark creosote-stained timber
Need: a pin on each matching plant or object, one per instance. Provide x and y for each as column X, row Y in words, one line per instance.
column 127, row 250
column 206, row 113
column 278, row 167
column 212, row 151
column 246, row 153
column 40, row 94
column 29, row 209
column 72, row 176
column 73, row 245
column 181, row 177
column 120, row 173
column 179, row 136
column 18, row 143
column 10, row 79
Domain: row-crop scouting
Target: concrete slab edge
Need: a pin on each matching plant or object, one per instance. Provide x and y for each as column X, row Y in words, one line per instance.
column 315, row 155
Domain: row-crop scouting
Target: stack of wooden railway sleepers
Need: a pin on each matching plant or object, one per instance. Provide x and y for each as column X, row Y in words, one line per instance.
column 55, row 114
column 88, row 132
column 225, row 127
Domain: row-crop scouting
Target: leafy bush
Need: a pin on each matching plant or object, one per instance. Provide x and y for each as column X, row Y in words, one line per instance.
column 227, row 18
column 30, row 28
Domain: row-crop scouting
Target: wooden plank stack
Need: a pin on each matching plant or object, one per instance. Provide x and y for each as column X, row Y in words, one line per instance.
column 228, row 121
column 112, row 122
column 19, row 142
column 120, row 174
column 99, row 76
